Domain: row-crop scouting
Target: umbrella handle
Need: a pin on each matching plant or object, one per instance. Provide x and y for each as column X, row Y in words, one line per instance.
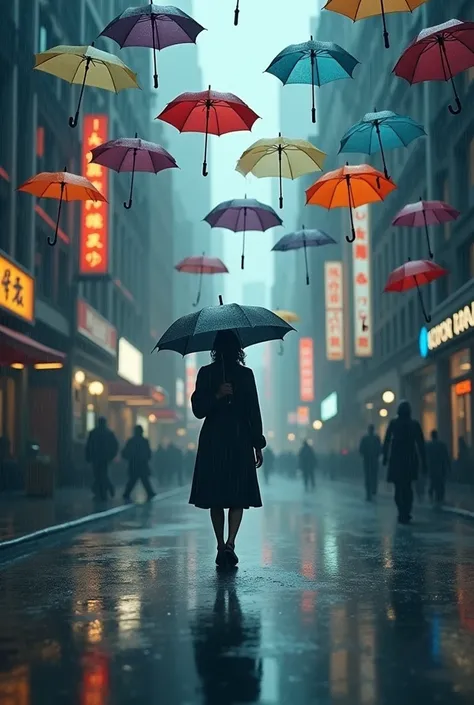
column 155, row 67
column 236, row 14
column 422, row 303
column 306, row 261
column 430, row 251
column 353, row 236
column 379, row 137
column 204, row 161
column 457, row 109
column 313, row 104
column 129, row 204
column 74, row 120
column 279, row 177
column 385, row 31
column 55, row 237
column 242, row 258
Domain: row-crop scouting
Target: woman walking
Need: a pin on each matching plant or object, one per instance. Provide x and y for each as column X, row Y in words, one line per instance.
column 230, row 443
column 403, row 449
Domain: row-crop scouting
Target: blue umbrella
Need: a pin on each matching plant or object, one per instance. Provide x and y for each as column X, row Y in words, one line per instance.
column 316, row 63
column 381, row 130
column 303, row 239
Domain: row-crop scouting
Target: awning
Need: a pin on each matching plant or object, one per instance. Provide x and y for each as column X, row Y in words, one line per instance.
column 137, row 394
column 18, row 348
column 164, row 415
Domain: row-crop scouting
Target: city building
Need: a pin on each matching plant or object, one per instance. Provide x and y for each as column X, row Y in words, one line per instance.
column 79, row 319
column 429, row 364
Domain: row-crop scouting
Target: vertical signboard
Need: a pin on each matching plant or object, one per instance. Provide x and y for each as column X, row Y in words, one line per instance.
column 94, row 243
column 363, row 346
column 191, row 371
column 306, row 370
column 302, row 416
column 334, row 300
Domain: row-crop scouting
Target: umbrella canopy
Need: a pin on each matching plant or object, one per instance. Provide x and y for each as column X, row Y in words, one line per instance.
column 241, row 215
column 64, row 187
column 196, row 332
column 414, row 274
column 316, row 63
column 379, row 131
column 424, row 213
column 361, row 9
column 210, row 112
column 133, row 154
column 153, row 26
column 438, row 54
column 280, row 157
column 86, row 66
column 303, row 239
column 288, row 316
column 349, row 187
column 201, row 265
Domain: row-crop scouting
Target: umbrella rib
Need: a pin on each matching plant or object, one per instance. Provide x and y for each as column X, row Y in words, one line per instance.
column 289, row 164
column 77, row 69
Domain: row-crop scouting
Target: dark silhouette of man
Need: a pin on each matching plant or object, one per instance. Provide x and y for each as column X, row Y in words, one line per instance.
column 137, row 453
column 269, row 464
column 101, row 448
column 307, row 463
column 370, row 449
column 439, row 464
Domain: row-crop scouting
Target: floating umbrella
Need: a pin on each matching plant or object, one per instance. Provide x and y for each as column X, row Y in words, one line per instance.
column 361, row 9
column 378, row 131
column 86, row 66
column 316, row 63
column 280, row 157
column 241, row 215
column 63, row 186
column 302, row 239
column 153, row 26
column 133, row 154
column 425, row 213
column 413, row 274
column 349, row 187
column 210, row 112
column 201, row 265
column 196, row 332
column 289, row 317
column 438, row 54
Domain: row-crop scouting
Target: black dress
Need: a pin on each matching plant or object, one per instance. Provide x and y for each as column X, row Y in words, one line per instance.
column 224, row 474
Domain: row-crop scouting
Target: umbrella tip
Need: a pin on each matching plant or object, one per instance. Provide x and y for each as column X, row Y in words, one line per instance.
column 221, row 303
column 136, row 134
column 311, row 38
column 65, row 168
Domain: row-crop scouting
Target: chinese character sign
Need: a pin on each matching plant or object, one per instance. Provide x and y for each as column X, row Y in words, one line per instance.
column 334, row 299
column 94, row 243
column 17, row 290
column 361, row 284
column 306, row 370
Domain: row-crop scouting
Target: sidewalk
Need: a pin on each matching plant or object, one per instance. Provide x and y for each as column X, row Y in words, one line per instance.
column 22, row 516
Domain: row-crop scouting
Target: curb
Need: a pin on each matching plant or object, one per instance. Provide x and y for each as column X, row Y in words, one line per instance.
column 74, row 523
column 460, row 512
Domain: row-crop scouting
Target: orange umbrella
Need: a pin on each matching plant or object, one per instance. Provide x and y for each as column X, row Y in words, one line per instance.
column 349, row 187
column 63, row 186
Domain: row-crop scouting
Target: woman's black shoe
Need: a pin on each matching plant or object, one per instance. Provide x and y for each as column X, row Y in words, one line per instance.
column 232, row 558
column 221, row 558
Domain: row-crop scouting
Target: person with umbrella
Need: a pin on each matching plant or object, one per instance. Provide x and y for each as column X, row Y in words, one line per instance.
column 230, row 443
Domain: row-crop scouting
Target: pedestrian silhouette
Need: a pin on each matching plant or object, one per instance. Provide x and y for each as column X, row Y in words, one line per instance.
column 370, row 449
column 137, row 453
column 307, row 463
column 403, row 451
column 439, row 464
column 230, row 442
column 101, row 448
column 269, row 464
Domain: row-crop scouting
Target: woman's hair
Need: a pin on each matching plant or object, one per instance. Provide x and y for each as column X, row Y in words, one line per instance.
column 227, row 346
column 404, row 410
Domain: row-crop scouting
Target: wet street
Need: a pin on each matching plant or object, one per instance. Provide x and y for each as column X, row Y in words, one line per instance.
column 332, row 603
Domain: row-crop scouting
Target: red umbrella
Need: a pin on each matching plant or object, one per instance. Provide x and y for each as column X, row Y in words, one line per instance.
column 210, row 112
column 438, row 54
column 413, row 274
column 201, row 265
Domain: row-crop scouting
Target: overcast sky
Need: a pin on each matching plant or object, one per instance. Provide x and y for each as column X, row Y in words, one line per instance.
column 233, row 59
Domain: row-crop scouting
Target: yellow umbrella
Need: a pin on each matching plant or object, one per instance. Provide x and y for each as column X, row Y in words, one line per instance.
column 280, row 157
column 86, row 66
column 361, row 9
column 288, row 316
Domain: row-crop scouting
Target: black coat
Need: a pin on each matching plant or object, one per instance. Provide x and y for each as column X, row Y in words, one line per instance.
column 101, row 447
column 138, row 454
column 370, row 449
column 438, row 459
column 403, row 448
column 224, row 472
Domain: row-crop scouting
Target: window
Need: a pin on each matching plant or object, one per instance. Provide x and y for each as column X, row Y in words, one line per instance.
column 43, row 39
column 447, row 226
column 465, row 259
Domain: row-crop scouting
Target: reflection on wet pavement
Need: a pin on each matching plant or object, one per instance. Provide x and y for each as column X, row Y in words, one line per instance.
column 332, row 603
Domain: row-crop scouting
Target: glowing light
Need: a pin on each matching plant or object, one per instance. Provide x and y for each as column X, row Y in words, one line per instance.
column 291, row 437
column 369, row 405
column 80, row 377
column 152, row 418
column 388, row 397
column 383, row 413
column 96, row 388
column 317, row 425
column 181, row 432
column 48, row 366
column 17, row 366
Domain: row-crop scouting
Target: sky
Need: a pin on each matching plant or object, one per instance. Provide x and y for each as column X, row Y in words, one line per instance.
column 233, row 59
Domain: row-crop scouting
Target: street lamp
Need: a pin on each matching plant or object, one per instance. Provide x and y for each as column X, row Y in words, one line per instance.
column 369, row 405
column 96, row 388
column 80, row 377
column 317, row 425
column 388, row 397
column 291, row 437
column 383, row 413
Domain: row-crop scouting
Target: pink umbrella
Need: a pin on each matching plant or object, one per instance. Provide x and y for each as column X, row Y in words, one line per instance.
column 438, row 54
column 424, row 213
column 133, row 154
column 201, row 265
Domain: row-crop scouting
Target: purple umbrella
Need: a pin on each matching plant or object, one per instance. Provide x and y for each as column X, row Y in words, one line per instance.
column 154, row 26
column 424, row 213
column 241, row 215
column 133, row 154
column 303, row 239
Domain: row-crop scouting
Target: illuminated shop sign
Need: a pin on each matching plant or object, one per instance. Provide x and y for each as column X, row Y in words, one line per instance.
column 306, row 370
column 329, row 407
column 17, row 290
column 459, row 323
column 130, row 362
column 361, row 284
column 334, row 302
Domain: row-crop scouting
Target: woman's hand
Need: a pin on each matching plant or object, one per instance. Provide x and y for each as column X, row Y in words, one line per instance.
column 258, row 458
column 225, row 390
